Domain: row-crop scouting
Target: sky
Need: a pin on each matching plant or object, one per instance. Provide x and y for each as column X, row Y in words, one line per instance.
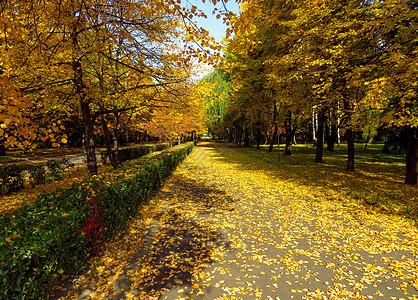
column 215, row 26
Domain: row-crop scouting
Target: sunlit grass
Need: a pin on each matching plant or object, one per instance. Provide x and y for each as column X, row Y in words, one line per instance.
column 376, row 183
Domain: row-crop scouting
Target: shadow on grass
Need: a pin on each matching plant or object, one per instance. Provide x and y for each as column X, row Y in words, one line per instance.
column 376, row 183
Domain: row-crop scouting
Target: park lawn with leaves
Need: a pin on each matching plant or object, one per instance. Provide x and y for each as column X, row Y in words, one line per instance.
column 72, row 175
column 232, row 223
column 20, row 154
column 30, row 194
column 376, row 183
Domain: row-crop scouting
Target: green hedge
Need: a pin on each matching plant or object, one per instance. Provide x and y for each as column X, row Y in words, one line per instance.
column 134, row 152
column 56, row 234
column 14, row 177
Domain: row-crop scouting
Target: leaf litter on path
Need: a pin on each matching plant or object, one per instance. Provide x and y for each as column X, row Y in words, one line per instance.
column 226, row 228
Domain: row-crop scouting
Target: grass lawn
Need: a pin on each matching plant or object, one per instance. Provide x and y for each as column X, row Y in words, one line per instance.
column 76, row 174
column 376, row 183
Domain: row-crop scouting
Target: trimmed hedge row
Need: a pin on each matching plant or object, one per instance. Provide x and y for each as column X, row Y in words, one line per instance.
column 56, row 234
column 14, row 177
column 134, row 152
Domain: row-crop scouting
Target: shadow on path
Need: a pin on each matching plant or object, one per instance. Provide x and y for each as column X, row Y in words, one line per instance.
column 173, row 252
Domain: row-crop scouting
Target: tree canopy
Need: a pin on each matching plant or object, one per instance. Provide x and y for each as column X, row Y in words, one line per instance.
column 345, row 62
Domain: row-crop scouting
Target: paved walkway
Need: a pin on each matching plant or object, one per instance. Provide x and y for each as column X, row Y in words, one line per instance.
column 230, row 228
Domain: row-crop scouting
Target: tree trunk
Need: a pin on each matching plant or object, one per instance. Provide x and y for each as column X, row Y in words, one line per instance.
column 320, row 137
column 116, row 138
column 274, row 138
column 251, row 136
column 88, row 120
column 278, row 145
column 338, row 125
column 293, row 128
column 314, row 127
column 246, row 136
column 89, row 138
column 349, row 136
column 108, row 142
column 288, row 129
column 411, row 155
column 369, row 140
column 258, row 135
column 305, row 134
column 235, row 135
column 276, row 128
column 2, row 150
column 332, row 137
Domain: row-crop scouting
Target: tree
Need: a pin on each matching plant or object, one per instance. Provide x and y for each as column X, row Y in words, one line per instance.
column 180, row 118
column 397, row 23
column 216, row 101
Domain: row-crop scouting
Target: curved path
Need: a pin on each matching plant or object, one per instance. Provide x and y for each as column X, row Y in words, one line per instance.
column 229, row 228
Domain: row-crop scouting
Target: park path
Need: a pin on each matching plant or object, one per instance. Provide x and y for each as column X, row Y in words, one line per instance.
column 230, row 228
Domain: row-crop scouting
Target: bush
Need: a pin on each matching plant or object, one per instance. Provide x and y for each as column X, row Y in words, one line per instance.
column 53, row 237
column 14, row 176
column 134, row 152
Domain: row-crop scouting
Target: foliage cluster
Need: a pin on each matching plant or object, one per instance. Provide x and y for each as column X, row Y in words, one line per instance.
column 56, row 234
column 14, row 177
column 134, row 152
column 94, row 67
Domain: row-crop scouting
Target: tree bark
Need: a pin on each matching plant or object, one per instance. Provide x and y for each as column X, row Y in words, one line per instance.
column 108, row 142
column 369, row 140
column 276, row 128
column 320, row 136
column 411, row 156
column 246, row 136
column 116, row 137
column 274, row 138
column 293, row 128
column 314, row 127
column 235, row 136
column 88, row 120
column 288, row 129
column 2, row 150
column 258, row 135
column 332, row 138
column 89, row 138
column 349, row 136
